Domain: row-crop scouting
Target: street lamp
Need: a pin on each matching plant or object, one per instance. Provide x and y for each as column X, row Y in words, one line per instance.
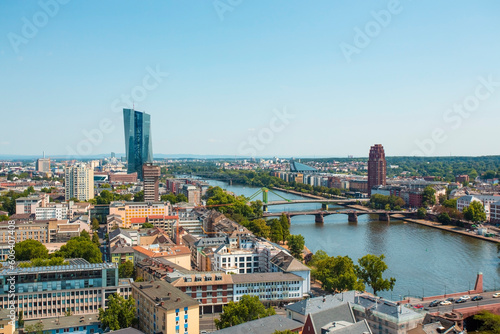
column 445, row 291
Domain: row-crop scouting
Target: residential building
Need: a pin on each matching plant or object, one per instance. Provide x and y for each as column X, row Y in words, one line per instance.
column 151, row 175
column 75, row 324
column 162, row 308
column 462, row 178
column 377, row 167
column 495, row 212
column 179, row 255
column 384, row 316
column 285, row 263
column 43, row 165
column 269, row 287
column 211, row 290
column 192, row 192
column 52, row 211
column 123, row 177
column 129, row 210
column 299, row 311
column 267, row 325
column 6, row 324
column 79, row 182
column 338, row 319
column 79, row 286
column 30, row 203
column 138, row 141
column 44, row 231
column 121, row 254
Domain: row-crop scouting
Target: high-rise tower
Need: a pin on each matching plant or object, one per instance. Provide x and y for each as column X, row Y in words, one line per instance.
column 377, row 167
column 138, row 143
column 79, row 182
column 151, row 174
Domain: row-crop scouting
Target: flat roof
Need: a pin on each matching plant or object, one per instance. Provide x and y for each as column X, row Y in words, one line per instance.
column 265, row 277
column 161, row 291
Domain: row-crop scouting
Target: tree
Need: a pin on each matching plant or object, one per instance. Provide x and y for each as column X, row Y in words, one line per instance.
column 139, row 196
column 489, row 322
column 126, row 269
column 36, row 328
column 475, row 212
column 4, row 218
column 85, row 234
column 247, row 309
column 30, row 249
column 444, row 218
column 286, row 331
column 95, row 224
column 276, row 231
column 490, row 174
column 336, row 274
column 119, row 314
column 68, row 311
column 429, row 196
column 53, row 261
column 260, row 228
column 80, row 247
column 285, row 226
column 147, row 225
column 370, row 270
column 95, row 239
column 296, row 246
column 20, row 319
column 422, row 213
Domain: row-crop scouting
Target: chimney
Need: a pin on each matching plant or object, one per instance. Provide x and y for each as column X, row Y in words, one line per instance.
column 158, row 286
column 178, row 299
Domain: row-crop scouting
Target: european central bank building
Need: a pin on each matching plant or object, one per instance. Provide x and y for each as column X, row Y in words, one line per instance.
column 138, row 144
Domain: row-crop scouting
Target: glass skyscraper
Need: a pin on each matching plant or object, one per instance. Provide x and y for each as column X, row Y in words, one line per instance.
column 138, row 144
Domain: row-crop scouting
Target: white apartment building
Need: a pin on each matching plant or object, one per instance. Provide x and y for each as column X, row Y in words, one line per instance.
column 52, row 211
column 79, row 182
column 268, row 286
column 486, row 200
column 30, row 203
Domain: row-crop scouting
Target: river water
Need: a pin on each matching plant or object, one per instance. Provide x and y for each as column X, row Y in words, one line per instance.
column 424, row 261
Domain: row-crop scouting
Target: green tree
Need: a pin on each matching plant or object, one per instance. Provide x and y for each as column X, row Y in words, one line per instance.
column 286, row 331
column 126, row 269
column 85, row 234
column 260, row 228
column 80, row 247
column 4, row 218
column 276, row 231
column 95, row 239
column 147, row 225
column 181, row 198
column 169, row 198
column 370, row 270
column 475, row 212
column 488, row 322
column 247, row 309
column 119, row 314
column 36, row 328
column 30, row 249
column 444, row 218
column 20, row 319
column 139, row 196
column 450, row 203
column 285, row 226
column 336, row 274
column 53, row 261
column 68, row 311
column 422, row 213
column 429, row 196
column 95, row 224
column 295, row 245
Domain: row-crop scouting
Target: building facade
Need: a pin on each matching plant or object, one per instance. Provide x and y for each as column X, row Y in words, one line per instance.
column 79, row 182
column 151, row 175
column 138, row 141
column 43, row 165
column 377, row 167
column 128, row 210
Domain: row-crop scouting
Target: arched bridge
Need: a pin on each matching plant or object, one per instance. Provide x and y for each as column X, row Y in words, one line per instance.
column 352, row 214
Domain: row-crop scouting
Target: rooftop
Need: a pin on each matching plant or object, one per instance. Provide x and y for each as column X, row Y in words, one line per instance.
column 317, row 304
column 265, row 277
column 265, row 325
column 386, row 309
column 288, row 263
column 65, row 322
column 74, row 265
column 165, row 294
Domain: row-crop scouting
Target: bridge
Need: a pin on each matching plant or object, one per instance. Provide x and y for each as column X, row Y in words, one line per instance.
column 320, row 200
column 320, row 214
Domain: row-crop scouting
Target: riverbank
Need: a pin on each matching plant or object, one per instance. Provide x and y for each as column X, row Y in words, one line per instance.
column 449, row 228
column 298, row 193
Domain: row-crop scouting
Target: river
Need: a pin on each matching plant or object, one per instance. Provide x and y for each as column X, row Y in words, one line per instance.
column 424, row 261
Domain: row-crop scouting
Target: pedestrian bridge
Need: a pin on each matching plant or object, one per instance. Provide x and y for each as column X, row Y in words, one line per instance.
column 352, row 214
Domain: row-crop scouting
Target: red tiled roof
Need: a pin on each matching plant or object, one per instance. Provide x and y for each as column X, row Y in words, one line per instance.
column 138, row 220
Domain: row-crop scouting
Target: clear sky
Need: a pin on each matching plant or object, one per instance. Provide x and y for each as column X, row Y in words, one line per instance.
column 411, row 75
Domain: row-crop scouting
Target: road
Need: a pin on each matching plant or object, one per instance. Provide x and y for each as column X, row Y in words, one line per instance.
column 487, row 300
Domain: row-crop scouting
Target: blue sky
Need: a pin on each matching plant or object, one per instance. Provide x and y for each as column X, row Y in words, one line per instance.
column 233, row 65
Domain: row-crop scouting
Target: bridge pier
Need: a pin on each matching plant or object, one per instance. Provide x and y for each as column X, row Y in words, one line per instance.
column 353, row 217
column 318, row 218
column 264, row 207
column 289, row 219
column 385, row 217
column 324, row 206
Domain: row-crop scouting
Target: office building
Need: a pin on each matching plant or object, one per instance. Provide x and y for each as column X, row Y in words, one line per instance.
column 79, row 182
column 151, row 175
column 126, row 211
column 138, row 142
column 162, row 308
column 192, row 193
column 31, row 203
column 272, row 287
column 377, row 167
column 78, row 286
column 43, row 165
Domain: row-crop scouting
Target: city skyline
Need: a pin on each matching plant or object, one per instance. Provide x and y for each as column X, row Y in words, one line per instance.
column 299, row 82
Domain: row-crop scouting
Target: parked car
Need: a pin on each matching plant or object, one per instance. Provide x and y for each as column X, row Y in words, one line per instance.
column 434, row 303
column 496, row 295
column 418, row 306
column 445, row 302
column 477, row 298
